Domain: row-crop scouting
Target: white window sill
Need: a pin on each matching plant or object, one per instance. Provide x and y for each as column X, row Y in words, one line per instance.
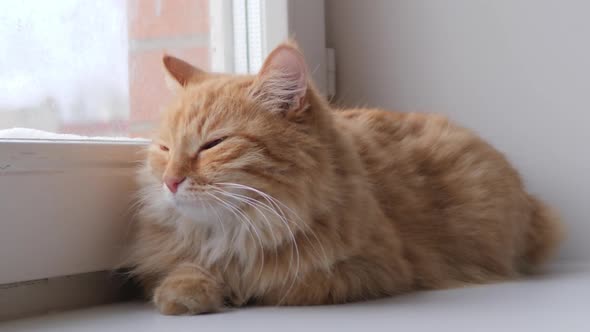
column 556, row 301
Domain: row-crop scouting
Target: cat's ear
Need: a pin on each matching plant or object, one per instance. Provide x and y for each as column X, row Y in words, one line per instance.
column 281, row 84
column 182, row 72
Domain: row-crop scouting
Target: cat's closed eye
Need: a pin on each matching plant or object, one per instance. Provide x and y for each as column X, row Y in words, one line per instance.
column 211, row 144
column 164, row 147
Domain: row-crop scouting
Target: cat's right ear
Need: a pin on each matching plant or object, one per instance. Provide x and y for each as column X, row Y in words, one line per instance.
column 181, row 73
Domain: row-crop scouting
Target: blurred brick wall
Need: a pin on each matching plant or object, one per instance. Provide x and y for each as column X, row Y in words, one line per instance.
column 175, row 27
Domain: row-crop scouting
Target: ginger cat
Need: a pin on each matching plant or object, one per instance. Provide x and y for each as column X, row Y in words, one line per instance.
column 256, row 191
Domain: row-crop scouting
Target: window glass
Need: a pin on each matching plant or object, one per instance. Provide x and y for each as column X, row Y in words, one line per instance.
column 94, row 68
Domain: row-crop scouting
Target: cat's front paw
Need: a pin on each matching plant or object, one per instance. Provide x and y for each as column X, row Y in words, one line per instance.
column 188, row 295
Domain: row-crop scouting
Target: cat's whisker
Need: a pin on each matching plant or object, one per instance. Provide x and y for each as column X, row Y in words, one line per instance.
column 235, row 234
column 253, row 203
column 260, row 242
column 292, row 242
column 210, row 206
column 277, row 206
column 272, row 200
column 270, row 209
column 258, row 206
column 141, row 199
column 251, row 228
column 301, row 223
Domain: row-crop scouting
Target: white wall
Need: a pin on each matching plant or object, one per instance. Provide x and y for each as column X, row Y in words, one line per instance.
column 305, row 22
column 517, row 71
column 307, row 25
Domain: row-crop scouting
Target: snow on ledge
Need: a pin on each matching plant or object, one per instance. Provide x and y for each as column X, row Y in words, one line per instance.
column 27, row 133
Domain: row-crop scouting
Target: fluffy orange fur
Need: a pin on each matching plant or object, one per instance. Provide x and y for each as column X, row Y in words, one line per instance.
column 256, row 191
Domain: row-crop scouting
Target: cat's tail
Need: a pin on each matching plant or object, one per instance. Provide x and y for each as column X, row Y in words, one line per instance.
column 543, row 235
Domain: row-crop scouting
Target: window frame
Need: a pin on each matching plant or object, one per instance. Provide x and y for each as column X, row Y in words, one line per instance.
column 64, row 205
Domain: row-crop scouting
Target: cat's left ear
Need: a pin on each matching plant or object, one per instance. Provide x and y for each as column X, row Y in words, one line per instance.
column 182, row 72
column 281, row 84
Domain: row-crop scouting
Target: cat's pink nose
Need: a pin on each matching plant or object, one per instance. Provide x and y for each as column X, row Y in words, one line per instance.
column 172, row 182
